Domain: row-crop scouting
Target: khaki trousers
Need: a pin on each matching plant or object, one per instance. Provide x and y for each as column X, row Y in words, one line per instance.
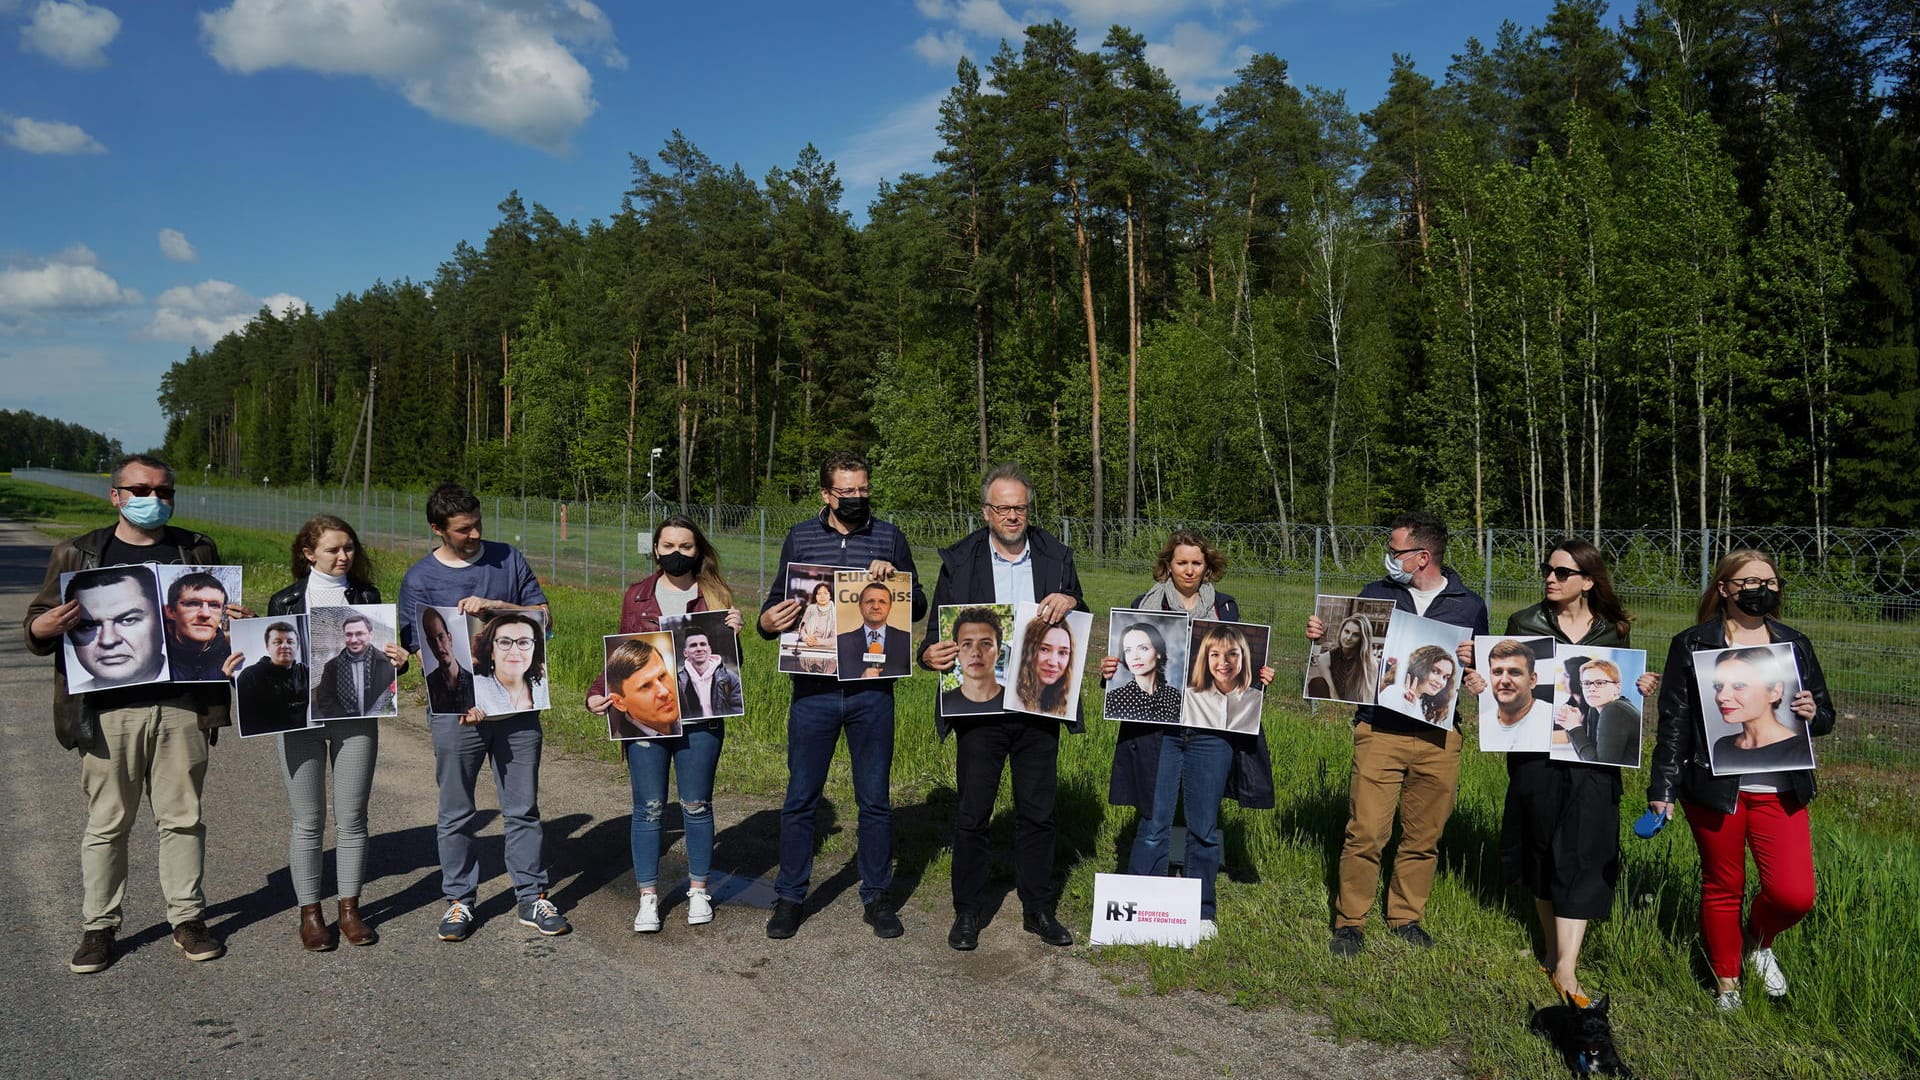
column 158, row 750
column 1418, row 772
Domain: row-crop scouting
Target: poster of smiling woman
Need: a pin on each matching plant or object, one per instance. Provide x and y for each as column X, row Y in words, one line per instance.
column 1048, row 660
column 120, row 639
column 510, row 662
column 1420, row 675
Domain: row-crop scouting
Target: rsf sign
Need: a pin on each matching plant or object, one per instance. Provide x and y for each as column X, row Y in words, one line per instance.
column 1138, row 910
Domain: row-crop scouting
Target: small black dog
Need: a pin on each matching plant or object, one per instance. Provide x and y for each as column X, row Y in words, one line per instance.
column 1583, row 1036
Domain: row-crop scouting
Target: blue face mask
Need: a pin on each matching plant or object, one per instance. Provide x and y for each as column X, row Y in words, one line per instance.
column 146, row 511
column 1396, row 573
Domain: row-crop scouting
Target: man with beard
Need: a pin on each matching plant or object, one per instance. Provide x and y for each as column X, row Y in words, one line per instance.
column 358, row 681
column 197, row 642
column 449, row 687
column 273, row 690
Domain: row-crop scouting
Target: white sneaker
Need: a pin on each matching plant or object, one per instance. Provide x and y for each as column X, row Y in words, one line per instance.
column 647, row 919
column 1728, row 1001
column 699, row 907
column 1209, row 930
column 1772, row 979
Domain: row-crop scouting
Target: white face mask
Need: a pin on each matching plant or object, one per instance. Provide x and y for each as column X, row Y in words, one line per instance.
column 1396, row 573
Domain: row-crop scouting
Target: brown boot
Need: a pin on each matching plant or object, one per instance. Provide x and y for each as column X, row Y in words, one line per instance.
column 352, row 926
column 314, row 934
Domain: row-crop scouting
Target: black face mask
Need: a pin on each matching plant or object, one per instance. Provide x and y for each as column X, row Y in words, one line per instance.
column 1757, row 602
column 853, row 511
column 679, row 564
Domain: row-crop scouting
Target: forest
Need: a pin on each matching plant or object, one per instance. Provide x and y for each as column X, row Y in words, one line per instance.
column 1655, row 268
column 29, row 439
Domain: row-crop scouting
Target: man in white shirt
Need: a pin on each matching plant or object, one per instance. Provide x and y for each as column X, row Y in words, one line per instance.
column 1519, row 721
column 707, row 687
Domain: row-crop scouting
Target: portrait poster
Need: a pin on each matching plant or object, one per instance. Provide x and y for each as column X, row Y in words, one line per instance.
column 811, row 648
column 510, row 662
column 352, row 676
column 446, row 660
column 1420, row 673
column 120, row 639
column 643, row 687
column 1746, row 703
column 270, row 687
column 1598, row 715
column 1516, row 707
column 978, row 681
column 194, row 601
column 1047, row 662
column 873, row 625
column 1151, row 680
column 1344, row 665
column 1223, row 688
column 710, row 686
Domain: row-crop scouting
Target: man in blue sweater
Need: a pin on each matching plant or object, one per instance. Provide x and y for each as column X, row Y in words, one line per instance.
column 845, row 535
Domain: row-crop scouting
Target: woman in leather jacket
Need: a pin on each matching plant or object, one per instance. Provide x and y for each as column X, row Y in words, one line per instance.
column 1764, row 811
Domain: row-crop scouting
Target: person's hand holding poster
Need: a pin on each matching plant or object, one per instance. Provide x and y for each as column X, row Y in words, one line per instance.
column 1420, row 676
column 874, row 618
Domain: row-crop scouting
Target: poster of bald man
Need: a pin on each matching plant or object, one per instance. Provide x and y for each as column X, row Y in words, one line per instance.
column 120, row 639
column 874, row 620
column 194, row 603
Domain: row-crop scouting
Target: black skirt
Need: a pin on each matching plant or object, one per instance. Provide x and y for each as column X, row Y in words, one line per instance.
column 1560, row 833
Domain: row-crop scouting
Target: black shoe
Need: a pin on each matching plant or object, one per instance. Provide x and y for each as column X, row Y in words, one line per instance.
column 1412, row 934
column 965, row 934
column 1347, row 942
column 784, row 920
column 885, row 923
column 96, row 952
column 195, row 942
column 1047, row 928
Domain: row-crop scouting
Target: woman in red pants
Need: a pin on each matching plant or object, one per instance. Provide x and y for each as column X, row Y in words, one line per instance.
column 1765, row 812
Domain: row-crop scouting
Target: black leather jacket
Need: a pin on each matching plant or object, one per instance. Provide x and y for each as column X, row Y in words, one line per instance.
column 292, row 600
column 1680, row 769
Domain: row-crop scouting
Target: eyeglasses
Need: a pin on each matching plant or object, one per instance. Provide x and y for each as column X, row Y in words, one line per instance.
column 850, row 493
column 141, row 491
column 1401, row 553
column 1754, row 582
column 1010, row 510
column 514, row 644
column 1595, row 684
column 1561, row 573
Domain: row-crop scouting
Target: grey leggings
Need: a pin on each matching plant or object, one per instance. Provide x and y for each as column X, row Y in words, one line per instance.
column 352, row 745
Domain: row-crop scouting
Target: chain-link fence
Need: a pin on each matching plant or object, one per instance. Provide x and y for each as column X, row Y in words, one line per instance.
column 1856, row 592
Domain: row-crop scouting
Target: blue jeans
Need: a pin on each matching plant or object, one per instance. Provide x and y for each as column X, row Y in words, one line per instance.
column 512, row 744
column 814, row 724
column 693, row 757
column 1193, row 768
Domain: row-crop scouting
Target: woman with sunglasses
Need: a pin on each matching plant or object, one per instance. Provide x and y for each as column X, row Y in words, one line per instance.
column 329, row 569
column 1560, row 832
column 1156, row 766
column 1728, row 815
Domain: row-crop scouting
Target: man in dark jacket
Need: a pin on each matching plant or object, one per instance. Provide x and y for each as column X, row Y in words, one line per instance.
column 358, row 681
column 1401, row 764
column 196, row 614
column 133, row 739
column 272, row 691
column 1005, row 562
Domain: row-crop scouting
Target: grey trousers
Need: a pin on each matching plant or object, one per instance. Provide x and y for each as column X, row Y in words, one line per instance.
column 352, row 746
column 512, row 744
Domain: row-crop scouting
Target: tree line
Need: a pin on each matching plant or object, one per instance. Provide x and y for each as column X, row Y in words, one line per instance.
column 29, row 439
column 1655, row 272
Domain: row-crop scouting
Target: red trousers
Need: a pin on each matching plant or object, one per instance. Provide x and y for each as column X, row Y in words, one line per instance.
column 1781, row 838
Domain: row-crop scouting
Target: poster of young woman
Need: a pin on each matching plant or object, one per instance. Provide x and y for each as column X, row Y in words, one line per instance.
column 1224, row 692
column 1598, row 715
column 1344, row 665
column 1148, row 685
column 1420, row 675
column 1746, row 702
column 1048, row 661
column 810, row 647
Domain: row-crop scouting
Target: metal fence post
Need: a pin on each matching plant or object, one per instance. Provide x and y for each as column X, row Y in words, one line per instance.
column 763, row 551
column 1319, row 539
column 1486, row 555
column 1706, row 558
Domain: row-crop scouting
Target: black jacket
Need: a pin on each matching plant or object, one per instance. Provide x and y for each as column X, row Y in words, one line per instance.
column 292, row 600
column 1136, row 753
column 1680, row 768
column 966, row 577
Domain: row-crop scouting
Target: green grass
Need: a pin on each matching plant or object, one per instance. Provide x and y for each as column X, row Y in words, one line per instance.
column 1853, row 962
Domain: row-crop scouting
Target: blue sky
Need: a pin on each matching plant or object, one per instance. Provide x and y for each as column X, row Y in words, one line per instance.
column 170, row 166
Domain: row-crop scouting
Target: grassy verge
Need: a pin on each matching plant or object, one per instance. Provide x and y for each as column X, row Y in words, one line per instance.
column 1853, row 962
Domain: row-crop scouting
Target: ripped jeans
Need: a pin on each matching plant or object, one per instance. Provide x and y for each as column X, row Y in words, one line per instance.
column 693, row 757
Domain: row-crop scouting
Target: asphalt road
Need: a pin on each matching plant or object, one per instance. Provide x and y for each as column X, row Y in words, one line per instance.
column 711, row 1001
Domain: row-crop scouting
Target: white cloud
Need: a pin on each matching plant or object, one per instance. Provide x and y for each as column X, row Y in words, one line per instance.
column 983, row 18
column 72, row 32
column 203, row 314
column 942, row 48
column 1198, row 60
column 174, row 245
column 46, row 137
column 903, row 141
column 68, row 281
column 498, row 65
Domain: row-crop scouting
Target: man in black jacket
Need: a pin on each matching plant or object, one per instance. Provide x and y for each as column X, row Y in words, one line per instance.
column 358, row 681
column 272, row 690
column 1006, row 562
